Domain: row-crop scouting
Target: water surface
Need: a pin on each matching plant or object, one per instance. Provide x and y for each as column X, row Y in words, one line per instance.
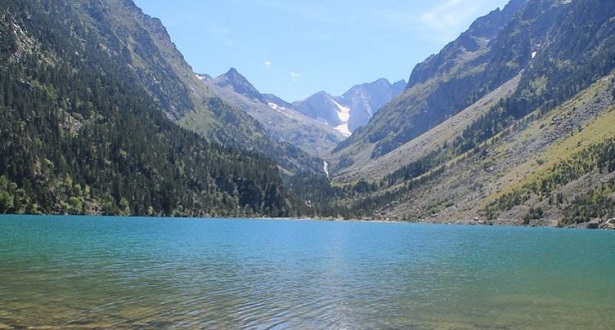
column 86, row 272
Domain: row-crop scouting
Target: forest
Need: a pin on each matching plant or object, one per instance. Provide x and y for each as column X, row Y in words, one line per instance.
column 79, row 136
column 595, row 203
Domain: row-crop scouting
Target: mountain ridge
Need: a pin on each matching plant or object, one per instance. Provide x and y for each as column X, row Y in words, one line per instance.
column 316, row 124
column 478, row 162
column 441, row 85
column 83, row 134
column 511, row 123
column 239, row 84
column 354, row 108
column 278, row 118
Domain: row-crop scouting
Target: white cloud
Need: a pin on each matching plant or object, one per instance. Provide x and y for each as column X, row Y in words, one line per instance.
column 450, row 14
column 295, row 75
column 443, row 21
column 268, row 65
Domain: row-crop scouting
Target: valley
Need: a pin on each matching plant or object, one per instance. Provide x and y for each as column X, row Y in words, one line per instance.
column 510, row 123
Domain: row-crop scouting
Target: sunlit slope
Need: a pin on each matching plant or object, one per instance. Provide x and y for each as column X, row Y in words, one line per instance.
column 547, row 162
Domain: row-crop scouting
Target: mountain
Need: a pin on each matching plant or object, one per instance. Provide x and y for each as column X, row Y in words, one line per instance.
column 512, row 123
column 444, row 84
column 277, row 117
column 91, row 94
column 366, row 99
column 352, row 110
column 142, row 46
column 323, row 107
column 239, row 84
column 276, row 102
column 317, row 124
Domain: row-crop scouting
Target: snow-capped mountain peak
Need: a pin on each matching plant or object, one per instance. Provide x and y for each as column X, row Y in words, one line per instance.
column 352, row 110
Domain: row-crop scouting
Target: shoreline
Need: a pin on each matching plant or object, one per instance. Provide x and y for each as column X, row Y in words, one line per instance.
column 604, row 225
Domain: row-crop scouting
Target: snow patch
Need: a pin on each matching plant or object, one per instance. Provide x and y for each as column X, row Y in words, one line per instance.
column 534, row 54
column 202, row 77
column 343, row 113
column 275, row 106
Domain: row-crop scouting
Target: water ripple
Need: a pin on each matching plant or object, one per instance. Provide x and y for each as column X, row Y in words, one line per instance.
column 146, row 273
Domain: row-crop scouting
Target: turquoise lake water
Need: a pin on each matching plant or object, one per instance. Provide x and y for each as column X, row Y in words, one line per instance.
column 87, row 272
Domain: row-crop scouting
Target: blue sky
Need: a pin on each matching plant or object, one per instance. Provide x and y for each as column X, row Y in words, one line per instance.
column 295, row 48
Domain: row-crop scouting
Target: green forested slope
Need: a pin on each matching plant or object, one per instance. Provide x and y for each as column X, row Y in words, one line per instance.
column 80, row 135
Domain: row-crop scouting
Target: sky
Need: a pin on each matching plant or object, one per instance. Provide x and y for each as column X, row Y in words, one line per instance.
column 295, row 48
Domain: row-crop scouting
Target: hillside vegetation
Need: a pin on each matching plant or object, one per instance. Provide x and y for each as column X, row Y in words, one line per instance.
column 512, row 123
column 81, row 135
column 535, row 150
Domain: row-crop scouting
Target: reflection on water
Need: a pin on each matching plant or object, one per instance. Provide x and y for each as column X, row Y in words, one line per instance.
column 78, row 272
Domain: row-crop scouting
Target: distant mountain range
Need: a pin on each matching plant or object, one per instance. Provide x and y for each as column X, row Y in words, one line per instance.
column 352, row 110
column 316, row 124
column 278, row 117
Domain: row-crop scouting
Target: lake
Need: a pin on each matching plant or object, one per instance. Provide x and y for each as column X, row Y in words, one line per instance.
column 96, row 272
